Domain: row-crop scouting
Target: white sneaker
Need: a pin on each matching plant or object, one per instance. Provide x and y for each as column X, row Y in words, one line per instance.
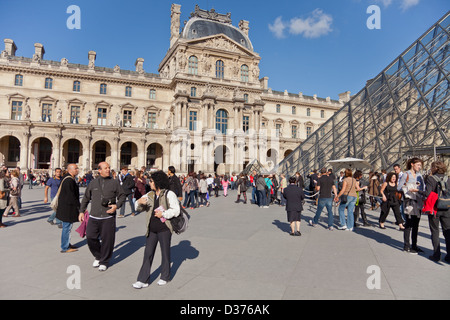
column 342, row 228
column 140, row 285
column 102, row 267
column 161, row 282
column 311, row 223
column 96, row 263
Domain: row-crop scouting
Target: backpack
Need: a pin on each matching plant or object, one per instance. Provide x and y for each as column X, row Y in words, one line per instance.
column 443, row 202
column 180, row 223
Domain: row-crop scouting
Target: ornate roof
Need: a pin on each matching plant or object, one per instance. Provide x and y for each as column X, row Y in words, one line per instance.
column 203, row 23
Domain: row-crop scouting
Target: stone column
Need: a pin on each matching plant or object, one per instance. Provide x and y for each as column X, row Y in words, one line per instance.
column 24, row 151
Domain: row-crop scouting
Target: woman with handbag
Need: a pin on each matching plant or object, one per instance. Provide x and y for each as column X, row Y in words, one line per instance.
column 347, row 198
column 390, row 201
column 14, row 195
column 161, row 204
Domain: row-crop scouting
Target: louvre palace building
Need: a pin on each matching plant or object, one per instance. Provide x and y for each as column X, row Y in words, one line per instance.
column 207, row 109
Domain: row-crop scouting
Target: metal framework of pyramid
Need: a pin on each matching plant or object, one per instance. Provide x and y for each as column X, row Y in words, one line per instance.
column 254, row 165
column 404, row 108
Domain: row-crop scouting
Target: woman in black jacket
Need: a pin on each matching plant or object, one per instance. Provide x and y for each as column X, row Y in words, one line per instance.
column 242, row 188
column 294, row 205
column 438, row 170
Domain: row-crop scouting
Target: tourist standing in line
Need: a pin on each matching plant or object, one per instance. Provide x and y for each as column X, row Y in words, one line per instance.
column 14, row 195
column 325, row 187
column 413, row 186
column 242, row 188
column 361, row 199
column 283, row 185
column 161, row 205
column 261, row 191
column 106, row 196
column 294, row 205
column 53, row 184
column 203, row 190
column 390, row 201
column 68, row 206
column 438, row 173
column 174, row 183
column 127, row 183
column 348, row 189
column 4, row 199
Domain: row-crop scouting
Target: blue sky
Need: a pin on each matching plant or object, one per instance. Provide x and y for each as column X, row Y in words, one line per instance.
column 318, row 47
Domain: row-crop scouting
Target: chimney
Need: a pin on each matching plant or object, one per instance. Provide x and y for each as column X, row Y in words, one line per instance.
column 243, row 25
column 264, row 83
column 10, row 47
column 345, row 96
column 139, row 64
column 92, row 55
column 175, row 23
column 39, row 51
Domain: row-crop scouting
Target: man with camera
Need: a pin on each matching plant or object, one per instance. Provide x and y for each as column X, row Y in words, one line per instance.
column 107, row 196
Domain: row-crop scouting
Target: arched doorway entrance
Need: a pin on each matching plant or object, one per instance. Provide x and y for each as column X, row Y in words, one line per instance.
column 72, row 152
column 10, row 151
column 128, row 155
column 221, row 157
column 101, row 152
column 154, row 156
column 41, row 154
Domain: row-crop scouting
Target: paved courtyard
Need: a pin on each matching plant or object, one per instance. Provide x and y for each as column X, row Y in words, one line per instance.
column 230, row 251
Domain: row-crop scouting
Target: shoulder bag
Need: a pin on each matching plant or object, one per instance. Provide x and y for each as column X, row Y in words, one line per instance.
column 54, row 203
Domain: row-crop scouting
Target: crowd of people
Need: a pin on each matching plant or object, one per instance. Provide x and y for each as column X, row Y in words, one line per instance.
column 163, row 195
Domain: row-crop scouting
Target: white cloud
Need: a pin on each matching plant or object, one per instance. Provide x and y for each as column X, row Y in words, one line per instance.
column 404, row 4
column 314, row 26
column 278, row 28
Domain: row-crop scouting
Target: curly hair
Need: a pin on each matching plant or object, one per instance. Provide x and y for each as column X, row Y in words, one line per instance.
column 160, row 179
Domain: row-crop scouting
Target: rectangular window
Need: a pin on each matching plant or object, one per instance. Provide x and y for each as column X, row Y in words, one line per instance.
column 47, row 112
column 322, row 113
column 308, row 131
column 127, row 118
column 193, row 120
column 48, row 83
column 18, row 80
column 193, row 92
column 76, row 86
column 128, row 92
column 294, row 132
column 101, row 116
column 152, row 94
column 103, row 88
column 278, row 108
column 278, row 130
column 16, row 111
column 245, row 123
column 75, row 114
column 151, row 120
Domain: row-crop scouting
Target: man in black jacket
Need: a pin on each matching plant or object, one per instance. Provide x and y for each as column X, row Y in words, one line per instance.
column 294, row 205
column 174, row 183
column 127, row 183
column 68, row 206
column 106, row 195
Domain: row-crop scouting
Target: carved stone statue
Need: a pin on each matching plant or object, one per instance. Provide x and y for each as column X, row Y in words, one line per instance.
column 59, row 116
column 89, row 117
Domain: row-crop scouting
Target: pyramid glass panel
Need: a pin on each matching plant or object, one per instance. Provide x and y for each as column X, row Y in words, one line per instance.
column 403, row 109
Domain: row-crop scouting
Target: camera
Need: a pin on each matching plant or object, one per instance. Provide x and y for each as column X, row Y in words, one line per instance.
column 107, row 202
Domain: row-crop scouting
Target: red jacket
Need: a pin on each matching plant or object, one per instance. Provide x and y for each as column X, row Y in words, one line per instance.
column 430, row 204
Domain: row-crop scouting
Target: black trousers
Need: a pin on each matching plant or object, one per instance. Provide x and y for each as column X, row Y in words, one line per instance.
column 411, row 231
column 153, row 238
column 444, row 219
column 104, row 230
column 385, row 206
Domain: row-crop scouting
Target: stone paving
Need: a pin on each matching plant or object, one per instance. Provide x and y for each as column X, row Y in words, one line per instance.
column 230, row 251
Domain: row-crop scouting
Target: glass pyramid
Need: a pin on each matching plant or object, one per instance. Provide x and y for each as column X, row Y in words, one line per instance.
column 404, row 108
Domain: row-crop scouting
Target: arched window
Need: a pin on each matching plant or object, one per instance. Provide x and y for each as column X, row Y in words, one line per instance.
column 222, row 121
column 244, row 73
column 193, row 92
column 220, row 69
column 246, row 97
column 103, row 88
column 193, row 65
column 308, row 112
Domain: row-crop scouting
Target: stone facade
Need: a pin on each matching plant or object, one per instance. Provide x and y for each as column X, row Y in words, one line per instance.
column 207, row 108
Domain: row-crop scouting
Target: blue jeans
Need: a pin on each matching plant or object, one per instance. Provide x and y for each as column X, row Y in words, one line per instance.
column 328, row 203
column 350, row 205
column 65, row 235
column 261, row 198
column 53, row 215
column 130, row 201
